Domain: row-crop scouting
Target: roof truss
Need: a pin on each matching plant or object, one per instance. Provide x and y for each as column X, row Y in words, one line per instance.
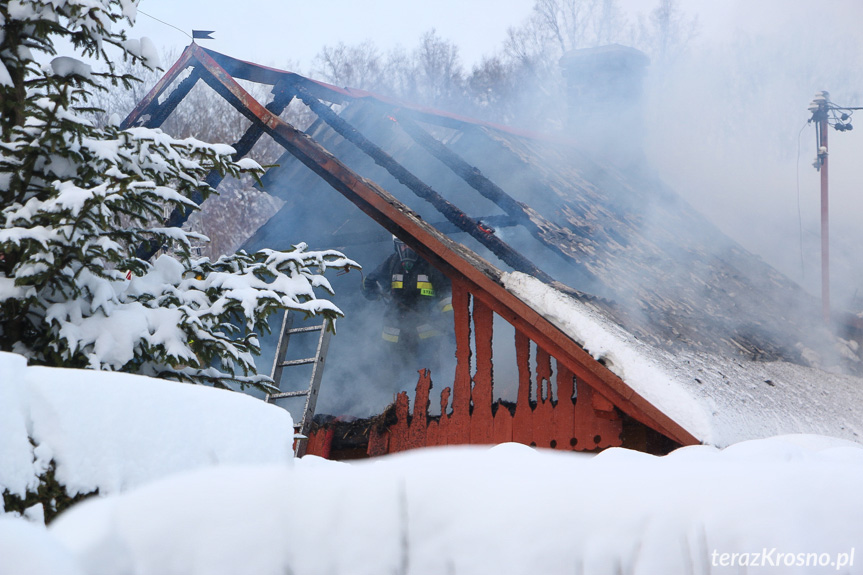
column 464, row 267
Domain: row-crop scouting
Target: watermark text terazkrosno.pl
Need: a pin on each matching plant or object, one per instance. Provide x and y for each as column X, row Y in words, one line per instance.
column 773, row 557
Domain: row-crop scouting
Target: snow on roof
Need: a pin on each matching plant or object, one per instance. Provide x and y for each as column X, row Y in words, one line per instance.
column 114, row 431
column 720, row 400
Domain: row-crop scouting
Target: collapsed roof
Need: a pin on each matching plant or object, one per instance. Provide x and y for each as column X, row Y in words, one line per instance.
column 483, row 202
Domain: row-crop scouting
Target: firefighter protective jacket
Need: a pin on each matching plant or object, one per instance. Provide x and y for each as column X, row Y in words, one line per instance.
column 418, row 298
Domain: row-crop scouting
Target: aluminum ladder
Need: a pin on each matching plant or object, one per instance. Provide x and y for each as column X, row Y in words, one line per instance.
column 317, row 361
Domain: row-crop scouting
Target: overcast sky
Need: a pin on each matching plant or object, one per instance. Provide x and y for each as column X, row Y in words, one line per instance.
column 278, row 33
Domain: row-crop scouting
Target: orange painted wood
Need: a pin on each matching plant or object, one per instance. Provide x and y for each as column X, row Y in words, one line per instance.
column 379, row 442
column 419, row 421
column 601, row 404
column 481, row 421
column 564, row 411
column 445, row 411
column 433, row 434
column 591, row 431
column 543, row 426
column 320, row 442
column 522, row 422
column 458, row 432
column 399, row 430
column 582, row 428
column 502, row 426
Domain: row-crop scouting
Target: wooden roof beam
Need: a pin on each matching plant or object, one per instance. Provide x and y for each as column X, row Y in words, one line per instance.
column 537, row 225
column 149, row 105
column 449, row 210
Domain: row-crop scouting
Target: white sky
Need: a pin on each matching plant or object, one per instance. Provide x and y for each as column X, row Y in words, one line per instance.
column 277, row 33
column 282, row 33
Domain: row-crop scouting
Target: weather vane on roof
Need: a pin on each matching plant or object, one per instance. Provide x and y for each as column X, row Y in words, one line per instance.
column 202, row 34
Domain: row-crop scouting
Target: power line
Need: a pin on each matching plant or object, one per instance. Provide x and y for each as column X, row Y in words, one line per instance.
column 799, row 211
column 165, row 23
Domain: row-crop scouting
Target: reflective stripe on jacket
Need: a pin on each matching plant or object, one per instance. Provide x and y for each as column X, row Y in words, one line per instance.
column 424, row 284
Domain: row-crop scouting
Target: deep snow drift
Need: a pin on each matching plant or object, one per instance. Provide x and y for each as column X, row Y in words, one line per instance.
column 201, row 481
column 113, row 431
column 787, row 505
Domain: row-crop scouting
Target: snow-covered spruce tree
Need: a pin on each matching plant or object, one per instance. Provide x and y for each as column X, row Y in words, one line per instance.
column 78, row 201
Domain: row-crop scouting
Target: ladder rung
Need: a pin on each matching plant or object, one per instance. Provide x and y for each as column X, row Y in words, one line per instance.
column 305, row 329
column 286, row 394
column 305, row 361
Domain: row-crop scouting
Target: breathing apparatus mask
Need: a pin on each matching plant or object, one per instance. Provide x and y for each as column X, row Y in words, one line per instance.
column 407, row 256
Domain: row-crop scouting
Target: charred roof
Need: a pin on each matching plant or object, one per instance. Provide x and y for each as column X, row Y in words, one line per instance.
column 478, row 200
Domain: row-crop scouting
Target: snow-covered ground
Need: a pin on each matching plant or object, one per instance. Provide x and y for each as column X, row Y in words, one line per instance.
column 201, row 481
column 719, row 400
column 114, row 432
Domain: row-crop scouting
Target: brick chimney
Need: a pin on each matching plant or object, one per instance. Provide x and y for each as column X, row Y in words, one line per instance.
column 604, row 99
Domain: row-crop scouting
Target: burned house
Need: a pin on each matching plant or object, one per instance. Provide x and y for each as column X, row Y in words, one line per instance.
column 593, row 307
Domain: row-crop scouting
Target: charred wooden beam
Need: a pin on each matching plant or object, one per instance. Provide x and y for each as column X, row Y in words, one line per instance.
column 449, row 210
column 343, row 239
column 281, row 100
column 547, row 232
column 243, row 146
column 456, row 261
column 162, row 111
column 147, row 106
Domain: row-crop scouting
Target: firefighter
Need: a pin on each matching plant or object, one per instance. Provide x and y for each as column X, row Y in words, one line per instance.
column 419, row 307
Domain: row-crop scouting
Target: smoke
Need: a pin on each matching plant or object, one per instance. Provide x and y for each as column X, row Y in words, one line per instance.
column 724, row 127
column 727, row 129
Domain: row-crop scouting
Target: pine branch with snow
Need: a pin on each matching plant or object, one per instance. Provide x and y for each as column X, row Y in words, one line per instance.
column 80, row 201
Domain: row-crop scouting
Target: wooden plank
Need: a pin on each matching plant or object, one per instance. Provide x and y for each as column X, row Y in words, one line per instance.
column 150, row 103
column 548, row 233
column 443, row 422
column 379, row 443
column 399, row 430
column 449, row 210
column 590, row 431
column 502, row 426
column 564, row 411
column 543, row 428
column 522, row 422
column 320, row 442
column 419, row 422
column 458, row 432
column 482, row 423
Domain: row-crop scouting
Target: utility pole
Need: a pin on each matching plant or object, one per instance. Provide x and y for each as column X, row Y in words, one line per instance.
column 821, row 126
column 826, row 114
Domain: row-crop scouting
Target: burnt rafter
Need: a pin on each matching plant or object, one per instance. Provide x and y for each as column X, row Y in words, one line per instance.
column 247, row 141
column 159, row 113
column 359, row 238
column 547, row 232
column 449, row 210
column 148, row 106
